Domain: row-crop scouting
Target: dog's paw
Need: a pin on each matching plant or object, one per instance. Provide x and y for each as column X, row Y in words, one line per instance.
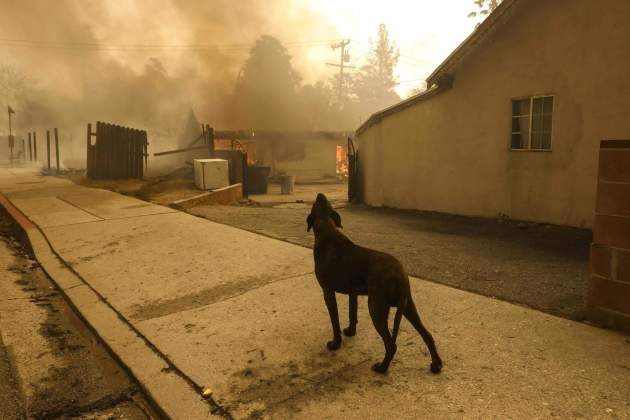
column 333, row 345
column 436, row 367
column 379, row 368
column 350, row 331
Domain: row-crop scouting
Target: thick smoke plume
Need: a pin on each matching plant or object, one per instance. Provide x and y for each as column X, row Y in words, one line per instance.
column 143, row 63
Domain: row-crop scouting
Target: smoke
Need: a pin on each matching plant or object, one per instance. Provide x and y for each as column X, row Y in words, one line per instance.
column 142, row 63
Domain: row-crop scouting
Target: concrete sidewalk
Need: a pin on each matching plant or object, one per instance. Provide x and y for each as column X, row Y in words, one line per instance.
column 186, row 304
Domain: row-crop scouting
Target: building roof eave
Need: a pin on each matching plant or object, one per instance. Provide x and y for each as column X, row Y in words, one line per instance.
column 422, row 96
column 499, row 15
column 442, row 77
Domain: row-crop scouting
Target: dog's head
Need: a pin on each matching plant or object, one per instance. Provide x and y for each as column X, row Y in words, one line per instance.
column 322, row 210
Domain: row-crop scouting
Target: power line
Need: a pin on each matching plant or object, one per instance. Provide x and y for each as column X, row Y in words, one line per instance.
column 429, row 67
column 345, row 57
column 100, row 44
column 236, row 47
column 148, row 47
column 405, row 82
column 405, row 56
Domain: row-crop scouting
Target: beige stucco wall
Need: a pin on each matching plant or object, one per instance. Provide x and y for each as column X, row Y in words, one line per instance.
column 308, row 160
column 319, row 162
column 451, row 153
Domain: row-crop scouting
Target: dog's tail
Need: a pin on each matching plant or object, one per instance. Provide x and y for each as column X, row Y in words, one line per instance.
column 399, row 311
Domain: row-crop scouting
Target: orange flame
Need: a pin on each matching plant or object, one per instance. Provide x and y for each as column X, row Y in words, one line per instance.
column 342, row 162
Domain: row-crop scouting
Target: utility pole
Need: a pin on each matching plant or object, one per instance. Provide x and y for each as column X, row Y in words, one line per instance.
column 11, row 139
column 344, row 58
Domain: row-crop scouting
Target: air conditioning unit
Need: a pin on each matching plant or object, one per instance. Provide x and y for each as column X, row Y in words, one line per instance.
column 211, row 174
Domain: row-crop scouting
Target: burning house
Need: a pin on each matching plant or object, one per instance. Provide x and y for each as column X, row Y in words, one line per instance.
column 309, row 156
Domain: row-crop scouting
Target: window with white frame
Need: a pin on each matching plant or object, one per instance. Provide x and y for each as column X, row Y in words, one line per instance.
column 532, row 122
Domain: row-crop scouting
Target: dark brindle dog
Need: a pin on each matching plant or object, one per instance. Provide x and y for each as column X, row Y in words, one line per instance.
column 343, row 267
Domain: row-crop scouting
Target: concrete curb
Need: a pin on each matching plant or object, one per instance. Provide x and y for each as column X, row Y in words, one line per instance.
column 21, row 224
column 171, row 392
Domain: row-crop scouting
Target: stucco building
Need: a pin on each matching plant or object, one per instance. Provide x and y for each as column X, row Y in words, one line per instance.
column 512, row 119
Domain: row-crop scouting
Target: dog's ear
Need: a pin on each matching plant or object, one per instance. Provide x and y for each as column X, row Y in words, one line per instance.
column 309, row 222
column 336, row 218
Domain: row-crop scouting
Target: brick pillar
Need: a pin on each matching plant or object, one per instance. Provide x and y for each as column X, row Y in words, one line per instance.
column 608, row 300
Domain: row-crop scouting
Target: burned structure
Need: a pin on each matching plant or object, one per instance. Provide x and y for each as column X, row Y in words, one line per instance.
column 309, row 156
column 256, row 155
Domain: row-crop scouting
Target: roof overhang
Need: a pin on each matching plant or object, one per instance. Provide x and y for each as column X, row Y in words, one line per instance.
column 472, row 42
column 423, row 96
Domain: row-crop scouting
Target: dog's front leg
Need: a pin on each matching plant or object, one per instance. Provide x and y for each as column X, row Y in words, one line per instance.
column 352, row 305
column 331, row 304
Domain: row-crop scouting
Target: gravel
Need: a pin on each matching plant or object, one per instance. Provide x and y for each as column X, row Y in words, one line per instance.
column 541, row 266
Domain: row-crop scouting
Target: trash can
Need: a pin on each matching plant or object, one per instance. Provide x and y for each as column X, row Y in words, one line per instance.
column 257, row 179
column 287, row 182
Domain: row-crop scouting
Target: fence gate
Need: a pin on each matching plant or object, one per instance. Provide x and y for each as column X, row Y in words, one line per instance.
column 353, row 172
column 118, row 152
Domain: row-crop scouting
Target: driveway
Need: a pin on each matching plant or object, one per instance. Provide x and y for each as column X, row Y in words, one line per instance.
column 541, row 266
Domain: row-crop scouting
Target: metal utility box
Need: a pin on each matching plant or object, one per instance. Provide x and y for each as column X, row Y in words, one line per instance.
column 211, row 174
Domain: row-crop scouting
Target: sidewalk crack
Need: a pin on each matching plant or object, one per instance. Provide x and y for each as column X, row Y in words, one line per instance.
column 80, row 208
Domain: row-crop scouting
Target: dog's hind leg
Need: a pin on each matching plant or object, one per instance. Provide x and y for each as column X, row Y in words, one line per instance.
column 352, row 305
column 379, row 312
column 412, row 315
column 331, row 304
column 399, row 311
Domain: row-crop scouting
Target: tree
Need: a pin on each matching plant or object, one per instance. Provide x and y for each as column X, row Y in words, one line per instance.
column 266, row 90
column 13, row 86
column 485, row 7
column 374, row 84
column 316, row 104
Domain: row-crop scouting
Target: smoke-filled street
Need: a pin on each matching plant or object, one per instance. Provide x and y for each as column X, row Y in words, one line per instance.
column 249, row 325
column 314, row 209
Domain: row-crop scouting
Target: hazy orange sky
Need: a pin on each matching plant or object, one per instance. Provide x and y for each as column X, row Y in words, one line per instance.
column 426, row 31
column 95, row 52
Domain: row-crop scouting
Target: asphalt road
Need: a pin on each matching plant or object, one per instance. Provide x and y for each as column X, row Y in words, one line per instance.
column 541, row 266
column 10, row 405
column 51, row 365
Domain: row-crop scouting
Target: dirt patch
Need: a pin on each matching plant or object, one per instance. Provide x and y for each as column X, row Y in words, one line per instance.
column 163, row 190
column 202, row 298
column 62, row 369
column 122, row 186
column 262, row 389
column 10, row 404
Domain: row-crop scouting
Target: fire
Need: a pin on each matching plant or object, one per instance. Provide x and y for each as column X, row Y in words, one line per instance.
column 342, row 162
column 248, row 147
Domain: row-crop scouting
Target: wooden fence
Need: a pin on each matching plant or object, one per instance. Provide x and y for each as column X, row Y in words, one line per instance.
column 118, row 152
column 30, row 154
